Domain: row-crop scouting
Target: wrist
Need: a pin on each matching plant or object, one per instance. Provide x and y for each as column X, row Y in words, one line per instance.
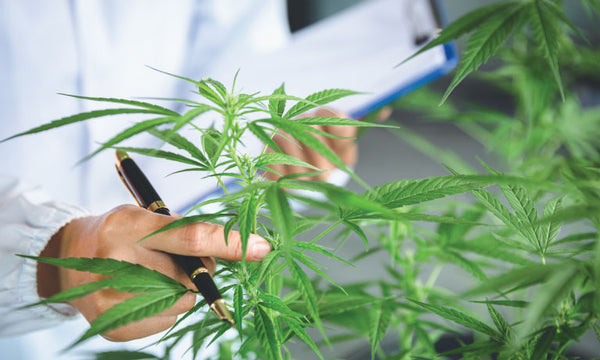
column 48, row 276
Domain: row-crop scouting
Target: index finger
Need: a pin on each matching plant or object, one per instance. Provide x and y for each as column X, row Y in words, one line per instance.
column 205, row 239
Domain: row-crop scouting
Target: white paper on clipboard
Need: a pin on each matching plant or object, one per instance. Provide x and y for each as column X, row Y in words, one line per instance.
column 358, row 49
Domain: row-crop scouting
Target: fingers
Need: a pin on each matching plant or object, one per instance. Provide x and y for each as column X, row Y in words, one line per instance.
column 140, row 329
column 302, row 152
column 346, row 149
column 204, row 239
column 198, row 239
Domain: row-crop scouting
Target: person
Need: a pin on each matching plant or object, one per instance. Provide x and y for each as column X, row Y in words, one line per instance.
column 99, row 48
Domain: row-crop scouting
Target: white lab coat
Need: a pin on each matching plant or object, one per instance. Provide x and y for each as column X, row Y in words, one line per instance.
column 94, row 48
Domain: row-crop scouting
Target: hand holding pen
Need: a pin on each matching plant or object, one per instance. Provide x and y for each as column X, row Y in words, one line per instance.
column 116, row 235
column 147, row 197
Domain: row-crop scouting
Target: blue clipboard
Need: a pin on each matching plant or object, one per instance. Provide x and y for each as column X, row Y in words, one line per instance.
column 452, row 58
column 359, row 47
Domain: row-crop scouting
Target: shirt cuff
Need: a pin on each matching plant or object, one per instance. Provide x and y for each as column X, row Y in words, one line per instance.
column 29, row 236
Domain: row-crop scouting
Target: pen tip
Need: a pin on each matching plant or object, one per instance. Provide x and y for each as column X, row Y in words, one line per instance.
column 121, row 155
column 220, row 309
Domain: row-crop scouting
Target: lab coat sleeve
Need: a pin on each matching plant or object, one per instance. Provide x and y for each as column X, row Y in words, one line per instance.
column 27, row 222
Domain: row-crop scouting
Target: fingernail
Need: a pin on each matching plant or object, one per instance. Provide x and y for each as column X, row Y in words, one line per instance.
column 259, row 247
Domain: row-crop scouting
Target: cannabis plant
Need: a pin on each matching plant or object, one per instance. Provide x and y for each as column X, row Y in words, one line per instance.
column 524, row 228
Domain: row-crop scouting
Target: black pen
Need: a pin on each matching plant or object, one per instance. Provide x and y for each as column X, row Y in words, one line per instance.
column 145, row 195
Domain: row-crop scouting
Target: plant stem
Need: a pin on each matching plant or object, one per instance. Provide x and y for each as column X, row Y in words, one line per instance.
column 333, row 226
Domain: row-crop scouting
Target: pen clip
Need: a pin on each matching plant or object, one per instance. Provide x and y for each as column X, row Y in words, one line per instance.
column 131, row 190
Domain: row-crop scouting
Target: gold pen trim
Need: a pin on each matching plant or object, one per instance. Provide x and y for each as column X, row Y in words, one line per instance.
column 158, row 204
column 218, row 306
column 197, row 272
column 122, row 155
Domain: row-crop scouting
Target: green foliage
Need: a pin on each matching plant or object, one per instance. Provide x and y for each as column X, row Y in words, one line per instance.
column 490, row 26
column 525, row 241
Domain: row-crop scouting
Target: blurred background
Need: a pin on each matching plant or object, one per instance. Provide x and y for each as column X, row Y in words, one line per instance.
column 382, row 158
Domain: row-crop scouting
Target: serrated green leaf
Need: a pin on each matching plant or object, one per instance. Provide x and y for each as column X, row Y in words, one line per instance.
column 220, row 332
column 475, row 350
column 332, row 304
column 130, row 310
column 266, row 266
column 217, row 85
column 111, row 267
column 498, row 209
column 281, row 212
column 578, row 237
column 510, row 303
column 161, row 154
column 492, row 249
column 238, row 303
column 332, row 120
column 543, row 343
column 557, row 286
column 275, row 303
column 188, row 116
column 501, row 324
column 560, row 14
column 277, row 104
column 317, row 99
column 124, row 284
column 246, row 219
column 228, row 227
column 78, row 118
column 301, row 133
column 169, row 334
column 380, row 320
column 596, row 328
column 157, row 109
column 309, row 263
column 485, row 41
column 526, row 221
column 464, row 25
column 211, row 140
column 425, row 340
column 138, row 128
column 459, row 318
column 260, row 133
column 415, row 191
column 302, row 335
column 179, row 142
column 266, row 334
column 308, row 292
column 321, row 250
column 186, row 221
column 75, row 292
column 550, row 229
column 283, row 159
column 337, row 195
column 206, row 91
column 530, row 274
column 546, row 34
column 358, row 231
column 465, row 263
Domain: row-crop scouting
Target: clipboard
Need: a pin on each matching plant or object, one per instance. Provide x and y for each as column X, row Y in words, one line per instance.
column 358, row 49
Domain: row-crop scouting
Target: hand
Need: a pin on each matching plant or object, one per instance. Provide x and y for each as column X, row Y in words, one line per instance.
column 346, row 149
column 116, row 235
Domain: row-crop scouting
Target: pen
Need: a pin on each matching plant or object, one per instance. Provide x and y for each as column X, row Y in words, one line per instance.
column 145, row 195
